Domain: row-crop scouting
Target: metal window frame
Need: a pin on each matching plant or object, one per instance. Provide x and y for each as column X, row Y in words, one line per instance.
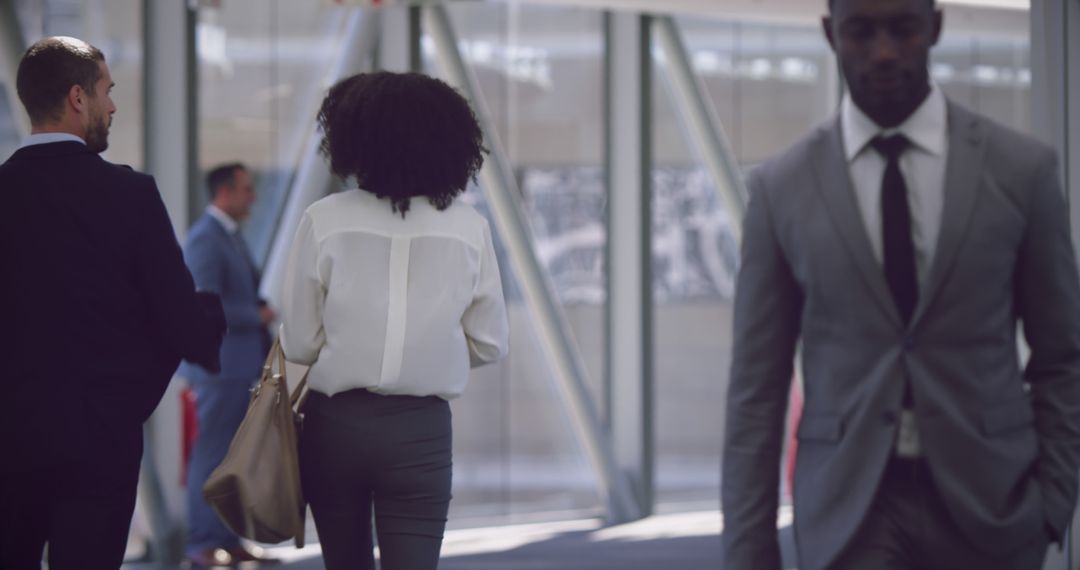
column 629, row 390
column 503, row 196
column 12, row 46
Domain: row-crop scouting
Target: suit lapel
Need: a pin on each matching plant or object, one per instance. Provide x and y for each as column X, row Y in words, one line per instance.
column 834, row 183
column 219, row 229
column 240, row 258
column 962, row 178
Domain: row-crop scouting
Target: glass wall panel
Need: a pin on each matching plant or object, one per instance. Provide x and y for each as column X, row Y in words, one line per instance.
column 9, row 131
column 989, row 73
column 115, row 27
column 540, row 71
column 263, row 70
column 263, row 67
column 770, row 84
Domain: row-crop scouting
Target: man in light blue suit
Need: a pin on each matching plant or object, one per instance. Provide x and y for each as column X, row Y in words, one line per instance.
column 220, row 261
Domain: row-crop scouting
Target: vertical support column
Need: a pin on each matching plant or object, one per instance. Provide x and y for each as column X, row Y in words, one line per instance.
column 170, row 141
column 416, row 31
column 191, row 113
column 168, row 47
column 1070, row 153
column 1055, row 100
column 395, row 44
column 504, row 198
column 12, row 46
column 629, row 354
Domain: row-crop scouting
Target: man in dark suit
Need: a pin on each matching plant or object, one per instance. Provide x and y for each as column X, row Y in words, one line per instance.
column 221, row 262
column 901, row 243
column 98, row 309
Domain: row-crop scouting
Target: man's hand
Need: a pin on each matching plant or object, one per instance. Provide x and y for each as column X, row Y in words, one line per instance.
column 266, row 314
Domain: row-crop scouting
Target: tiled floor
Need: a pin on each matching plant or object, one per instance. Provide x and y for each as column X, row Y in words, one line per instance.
column 683, row 541
column 678, row 541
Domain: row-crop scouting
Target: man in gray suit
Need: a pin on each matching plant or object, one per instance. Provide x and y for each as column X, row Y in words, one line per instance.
column 902, row 242
column 220, row 262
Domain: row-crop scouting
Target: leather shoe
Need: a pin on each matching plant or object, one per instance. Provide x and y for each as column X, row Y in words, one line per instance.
column 209, row 558
column 255, row 554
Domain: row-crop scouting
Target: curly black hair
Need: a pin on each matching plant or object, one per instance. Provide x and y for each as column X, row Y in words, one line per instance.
column 401, row 135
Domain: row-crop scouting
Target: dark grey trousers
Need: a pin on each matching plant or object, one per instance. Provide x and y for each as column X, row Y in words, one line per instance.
column 82, row 509
column 908, row 528
column 362, row 453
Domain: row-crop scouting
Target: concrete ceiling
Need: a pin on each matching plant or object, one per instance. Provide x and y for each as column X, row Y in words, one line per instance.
column 985, row 16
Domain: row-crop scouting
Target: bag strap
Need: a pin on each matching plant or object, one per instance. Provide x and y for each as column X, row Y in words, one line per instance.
column 295, row 396
column 278, row 353
column 275, row 350
column 295, row 399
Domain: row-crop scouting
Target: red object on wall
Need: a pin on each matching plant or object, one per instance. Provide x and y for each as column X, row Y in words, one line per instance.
column 189, row 429
column 794, row 415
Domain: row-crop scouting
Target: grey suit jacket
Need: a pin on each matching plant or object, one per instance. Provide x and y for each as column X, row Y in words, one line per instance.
column 218, row 264
column 1002, row 441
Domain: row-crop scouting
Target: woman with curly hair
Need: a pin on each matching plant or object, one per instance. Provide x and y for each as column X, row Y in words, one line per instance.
column 392, row 292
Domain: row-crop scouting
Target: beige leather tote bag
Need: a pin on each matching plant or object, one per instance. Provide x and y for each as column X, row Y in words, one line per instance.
column 256, row 489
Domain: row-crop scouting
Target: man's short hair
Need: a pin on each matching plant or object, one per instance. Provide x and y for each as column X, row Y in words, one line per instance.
column 222, row 175
column 830, row 3
column 49, row 69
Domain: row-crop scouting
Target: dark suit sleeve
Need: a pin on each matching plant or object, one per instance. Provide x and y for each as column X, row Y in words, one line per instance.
column 1048, row 300
column 191, row 325
column 768, row 302
column 209, row 266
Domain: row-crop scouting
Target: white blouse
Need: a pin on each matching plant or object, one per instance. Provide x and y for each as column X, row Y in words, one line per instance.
column 395, row 305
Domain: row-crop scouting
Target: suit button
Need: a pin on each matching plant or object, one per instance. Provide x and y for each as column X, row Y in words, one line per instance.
column 888, row 418
column 909, row 343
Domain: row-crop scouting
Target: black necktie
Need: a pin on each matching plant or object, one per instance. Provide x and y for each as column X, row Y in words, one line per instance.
column 897, row 249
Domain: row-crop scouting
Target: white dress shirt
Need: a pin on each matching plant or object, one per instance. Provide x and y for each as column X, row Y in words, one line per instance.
column 231, row 226
column 47, row 138
column 391, row 304
column 922, row 165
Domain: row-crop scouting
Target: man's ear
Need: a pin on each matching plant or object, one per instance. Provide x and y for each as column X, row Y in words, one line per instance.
column 938, row 21
column 76, row 98
column 826, row 26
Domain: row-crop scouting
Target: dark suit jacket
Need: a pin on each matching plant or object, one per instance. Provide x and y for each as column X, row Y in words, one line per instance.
column 218, row 264
column 98, row 307
column 1002, row 439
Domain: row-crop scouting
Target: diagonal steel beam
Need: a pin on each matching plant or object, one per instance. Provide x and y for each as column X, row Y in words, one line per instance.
column 503, row 196
column 699, row 116
column 313, row 177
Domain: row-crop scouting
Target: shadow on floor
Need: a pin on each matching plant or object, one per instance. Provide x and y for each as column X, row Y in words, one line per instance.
column 666, row 543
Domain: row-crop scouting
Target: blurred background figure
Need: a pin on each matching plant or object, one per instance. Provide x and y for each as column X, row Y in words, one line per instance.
column 220, row 261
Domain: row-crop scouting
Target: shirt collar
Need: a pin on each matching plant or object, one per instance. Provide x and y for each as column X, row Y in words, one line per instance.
column 926, row 128
column 47, row 138
column 226, row 221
